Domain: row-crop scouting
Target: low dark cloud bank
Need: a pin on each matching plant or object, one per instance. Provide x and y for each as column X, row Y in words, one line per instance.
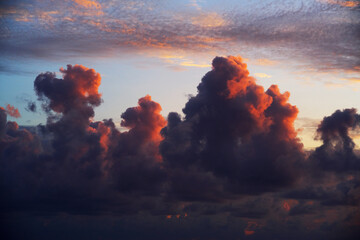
column 232, row 167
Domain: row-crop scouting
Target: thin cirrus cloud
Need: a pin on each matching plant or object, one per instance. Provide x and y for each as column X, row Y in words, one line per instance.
column 322, row 33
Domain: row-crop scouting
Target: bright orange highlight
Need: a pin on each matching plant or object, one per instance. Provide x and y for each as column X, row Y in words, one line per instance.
column 150, row 121
column 343, row 3
column 241, row 80
column 88, row 3
column 292, row 112
column 288, row 204
column 250, row 228
column 249, row 232
column 87, row 81
column 12, row 111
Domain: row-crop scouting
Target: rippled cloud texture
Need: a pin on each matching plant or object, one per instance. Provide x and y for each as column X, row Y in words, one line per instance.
column 322, row 34
column 230, row 167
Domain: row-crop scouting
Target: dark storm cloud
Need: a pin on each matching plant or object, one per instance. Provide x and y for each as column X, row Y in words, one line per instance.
column 231, row 167
column 322, row 33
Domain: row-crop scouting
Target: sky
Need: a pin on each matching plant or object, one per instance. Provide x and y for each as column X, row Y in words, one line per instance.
column 185, row 119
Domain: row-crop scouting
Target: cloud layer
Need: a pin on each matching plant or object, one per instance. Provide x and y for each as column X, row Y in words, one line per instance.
column 231, row 167
column 322, row 33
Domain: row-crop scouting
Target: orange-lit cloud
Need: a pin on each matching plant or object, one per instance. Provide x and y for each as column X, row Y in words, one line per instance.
column 249, row 232
column 84, row 81
column 250, row 228
column 343, row 3
column 288, row 204
column 172, row 56
column 192, row 64
column 88, row 3
column 12, row 111
column 145, row 119
column 90, row 8
column 352, row 79
column 231, row 105
column 138, row 26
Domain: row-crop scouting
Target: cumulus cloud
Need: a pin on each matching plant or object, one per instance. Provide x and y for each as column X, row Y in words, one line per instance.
column 232, row 129
column 77, row 158
column 337, row 152
column 232, row 166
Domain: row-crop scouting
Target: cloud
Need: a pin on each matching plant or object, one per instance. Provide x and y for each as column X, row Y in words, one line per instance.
column 231, row 127
column 88, row 3
column 266, row 62
column 232, row 166
column 12, row 111
column 294, row 32
column 352, row 79
column 78, row 158
column 191, row 64
column 342, row 3
column 337, row 152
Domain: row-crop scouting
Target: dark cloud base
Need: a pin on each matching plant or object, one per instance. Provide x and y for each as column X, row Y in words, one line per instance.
column 231, row 168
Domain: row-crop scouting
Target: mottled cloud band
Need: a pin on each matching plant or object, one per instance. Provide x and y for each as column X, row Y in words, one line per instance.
column 322, row 35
